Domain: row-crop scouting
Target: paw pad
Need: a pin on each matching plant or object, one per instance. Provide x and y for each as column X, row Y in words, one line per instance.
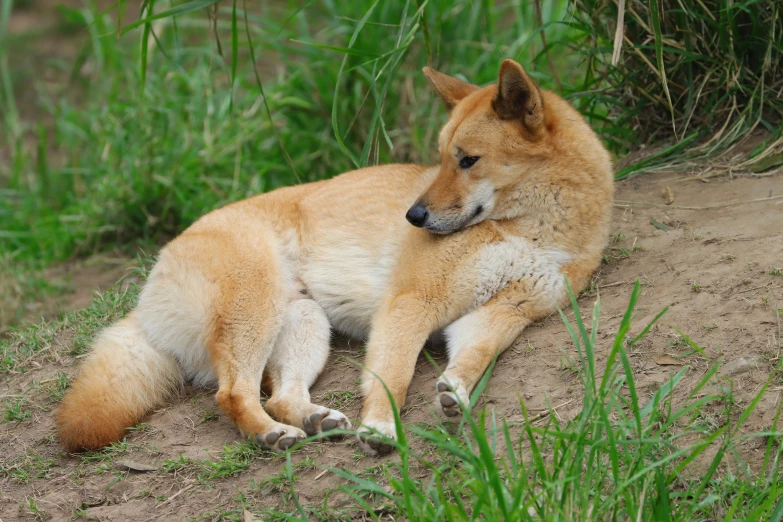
column 279, row 440
column 449, row 398
column 373, row 445
column 324, row 421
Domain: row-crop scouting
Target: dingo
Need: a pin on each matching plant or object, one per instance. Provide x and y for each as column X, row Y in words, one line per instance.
column 521, row 199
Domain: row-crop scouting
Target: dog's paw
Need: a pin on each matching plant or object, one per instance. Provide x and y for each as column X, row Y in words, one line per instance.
column 376, row 442
column 325, row 420
column 451, row 392
column 280, row 438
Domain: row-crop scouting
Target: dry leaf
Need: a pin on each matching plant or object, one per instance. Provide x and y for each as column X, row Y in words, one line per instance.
column 668, row 195
column 248, row 517
column 668, row 360
column 136, row 466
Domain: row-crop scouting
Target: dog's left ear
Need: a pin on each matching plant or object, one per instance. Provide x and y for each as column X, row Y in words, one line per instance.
column 450, row 89
column 518, row 96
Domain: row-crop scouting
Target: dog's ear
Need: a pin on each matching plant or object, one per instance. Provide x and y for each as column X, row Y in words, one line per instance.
column 518, row 96
column 450, row 89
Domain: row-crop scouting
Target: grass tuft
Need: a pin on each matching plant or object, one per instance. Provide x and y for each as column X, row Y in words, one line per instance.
column 702, row 75
column 15, row 409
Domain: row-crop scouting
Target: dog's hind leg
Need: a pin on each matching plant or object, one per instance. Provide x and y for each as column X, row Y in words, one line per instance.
column 249, row 316
column 300, row 354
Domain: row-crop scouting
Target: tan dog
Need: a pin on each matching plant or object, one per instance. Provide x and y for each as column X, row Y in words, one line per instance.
column 522, row 199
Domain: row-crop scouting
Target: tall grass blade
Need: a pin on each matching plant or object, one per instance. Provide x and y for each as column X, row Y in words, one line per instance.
column 149, row 9
column 7, row 99
column 335, row 125
column 234, row 53
column 181, row 9
column 264, row 99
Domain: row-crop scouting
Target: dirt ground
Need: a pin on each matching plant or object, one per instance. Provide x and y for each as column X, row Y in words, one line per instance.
column 716, row 268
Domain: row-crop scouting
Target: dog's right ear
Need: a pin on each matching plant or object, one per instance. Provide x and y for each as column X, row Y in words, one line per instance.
column 450, row 89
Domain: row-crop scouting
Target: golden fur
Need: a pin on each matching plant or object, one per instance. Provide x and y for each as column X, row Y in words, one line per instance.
column 252, row 289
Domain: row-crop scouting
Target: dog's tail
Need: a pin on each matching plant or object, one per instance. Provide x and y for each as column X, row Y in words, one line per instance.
column 123, row 379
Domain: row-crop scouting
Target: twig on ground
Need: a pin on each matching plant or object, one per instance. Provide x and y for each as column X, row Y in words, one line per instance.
column 548, row 411
column 731, row 291
column 175, row 495
column 618, row 283
column 777, row 313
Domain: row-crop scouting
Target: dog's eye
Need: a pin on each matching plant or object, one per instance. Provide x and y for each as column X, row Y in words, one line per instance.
column 468, row 161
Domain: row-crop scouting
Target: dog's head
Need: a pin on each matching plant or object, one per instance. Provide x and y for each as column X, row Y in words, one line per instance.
column 495, row 136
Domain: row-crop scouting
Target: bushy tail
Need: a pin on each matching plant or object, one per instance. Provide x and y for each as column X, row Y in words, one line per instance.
column 123, row 379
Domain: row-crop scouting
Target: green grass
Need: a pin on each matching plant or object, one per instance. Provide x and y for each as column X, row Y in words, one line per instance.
column 338, row 399
column 16, row 409
column 28, row 467
column 21, row 284
column 689, row 70
column 233, row 459
column 57, row 386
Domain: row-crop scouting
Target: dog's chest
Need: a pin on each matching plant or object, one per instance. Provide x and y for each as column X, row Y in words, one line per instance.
column 514, row 259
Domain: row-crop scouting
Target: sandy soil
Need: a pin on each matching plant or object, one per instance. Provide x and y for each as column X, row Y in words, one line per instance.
column 713, row 267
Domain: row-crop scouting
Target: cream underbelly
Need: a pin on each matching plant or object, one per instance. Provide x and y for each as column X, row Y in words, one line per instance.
column 349, row 283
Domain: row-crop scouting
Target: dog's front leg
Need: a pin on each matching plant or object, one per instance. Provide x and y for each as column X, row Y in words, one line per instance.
column 398, row 335
column 475, row 339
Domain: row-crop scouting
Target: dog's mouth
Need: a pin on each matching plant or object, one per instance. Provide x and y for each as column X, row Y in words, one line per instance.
column 441, row 231
column 446, row 226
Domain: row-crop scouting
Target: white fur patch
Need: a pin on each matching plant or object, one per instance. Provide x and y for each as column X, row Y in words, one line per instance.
column 302, row 348
column 466, row 332
column 458, row 387
column 382, row 427
column 514, row 259
column 484, row 195
column 174, row 314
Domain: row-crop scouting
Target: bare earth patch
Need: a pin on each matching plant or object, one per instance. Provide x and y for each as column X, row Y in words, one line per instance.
column 719, row 271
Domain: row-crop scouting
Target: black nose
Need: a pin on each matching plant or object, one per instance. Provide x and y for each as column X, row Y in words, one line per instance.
column 417, row 215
